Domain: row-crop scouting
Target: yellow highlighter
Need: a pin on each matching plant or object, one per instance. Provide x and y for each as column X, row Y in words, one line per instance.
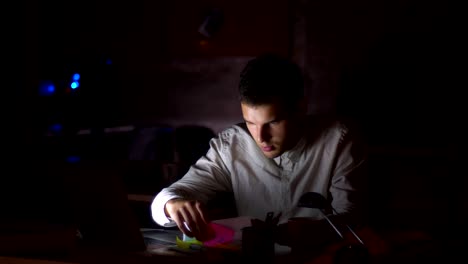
column 188, row 243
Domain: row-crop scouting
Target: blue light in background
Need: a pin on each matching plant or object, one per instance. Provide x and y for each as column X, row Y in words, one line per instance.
column 75, row 81
column 108, row 61
column 74, row 85
column 46, row 88
column 56, row 128
column 76, row 77
column 73, row 159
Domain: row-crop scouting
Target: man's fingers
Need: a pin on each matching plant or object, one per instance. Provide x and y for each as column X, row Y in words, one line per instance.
column 190, row 218
column 181, row 224
column 197, row 225
column 203, row 223
column 194, row 222
column 201, row 212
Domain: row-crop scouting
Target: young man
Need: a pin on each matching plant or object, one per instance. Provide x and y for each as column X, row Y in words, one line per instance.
column 271, row 160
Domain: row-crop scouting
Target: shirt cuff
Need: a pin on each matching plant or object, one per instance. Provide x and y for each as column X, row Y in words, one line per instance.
column 157, row 210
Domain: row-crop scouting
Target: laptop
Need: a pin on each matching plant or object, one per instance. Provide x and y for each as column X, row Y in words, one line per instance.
column 102, row 213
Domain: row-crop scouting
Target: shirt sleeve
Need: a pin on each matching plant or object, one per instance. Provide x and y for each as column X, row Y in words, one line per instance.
column 208, row 176
column 349, row 181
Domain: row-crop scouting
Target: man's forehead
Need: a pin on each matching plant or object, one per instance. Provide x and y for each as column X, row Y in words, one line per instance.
column 276, row 106
column 265, row 112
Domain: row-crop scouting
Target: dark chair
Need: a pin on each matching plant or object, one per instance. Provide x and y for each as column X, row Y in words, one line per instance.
column 191, row 143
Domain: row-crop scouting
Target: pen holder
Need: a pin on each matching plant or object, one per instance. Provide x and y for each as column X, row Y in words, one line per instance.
column 258, row 243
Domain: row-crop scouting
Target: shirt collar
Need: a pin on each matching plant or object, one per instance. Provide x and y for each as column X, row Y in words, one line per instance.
column 294, row 153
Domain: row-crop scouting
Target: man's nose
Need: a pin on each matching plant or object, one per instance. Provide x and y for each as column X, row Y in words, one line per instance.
column 263, row 134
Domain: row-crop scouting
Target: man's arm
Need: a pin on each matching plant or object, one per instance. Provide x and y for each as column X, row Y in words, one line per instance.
column 206, row 177
column 348, row 187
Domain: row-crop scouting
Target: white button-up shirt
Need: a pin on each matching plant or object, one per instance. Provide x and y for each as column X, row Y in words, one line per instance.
column 326, row 160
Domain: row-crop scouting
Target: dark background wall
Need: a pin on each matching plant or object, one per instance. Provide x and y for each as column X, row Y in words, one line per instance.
column 396, row 67
column 395, row 59
column 163, row 69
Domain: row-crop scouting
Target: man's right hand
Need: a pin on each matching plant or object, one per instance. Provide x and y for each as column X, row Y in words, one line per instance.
column 193, row 214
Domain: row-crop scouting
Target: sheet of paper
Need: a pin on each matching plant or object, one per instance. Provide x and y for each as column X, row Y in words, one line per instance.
column 166, row 236
column 236, row 224
column 222, row 235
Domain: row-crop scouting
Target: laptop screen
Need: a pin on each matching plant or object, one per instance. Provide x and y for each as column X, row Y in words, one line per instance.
column 100, row 206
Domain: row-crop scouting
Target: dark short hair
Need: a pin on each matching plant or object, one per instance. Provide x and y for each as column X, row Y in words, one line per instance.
column 271, row 78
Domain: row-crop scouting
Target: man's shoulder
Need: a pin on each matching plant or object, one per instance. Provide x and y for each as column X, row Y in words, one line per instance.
column 340, row 132
column 331, row 128
column 326, row 124
column 234, row 133
column 234, row 140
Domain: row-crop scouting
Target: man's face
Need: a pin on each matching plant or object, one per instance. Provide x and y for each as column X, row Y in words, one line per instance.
column 271, row 127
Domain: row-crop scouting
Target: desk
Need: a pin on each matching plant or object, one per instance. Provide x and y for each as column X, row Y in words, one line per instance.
column 18, row 260
column 410, row 246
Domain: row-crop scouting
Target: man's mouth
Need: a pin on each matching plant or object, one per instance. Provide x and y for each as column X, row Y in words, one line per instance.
column 267, row 148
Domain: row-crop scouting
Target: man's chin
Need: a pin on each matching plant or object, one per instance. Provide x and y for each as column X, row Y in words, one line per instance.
column 271, row 154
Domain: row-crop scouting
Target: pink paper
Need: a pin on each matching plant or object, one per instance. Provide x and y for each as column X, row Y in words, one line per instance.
column 222, row 235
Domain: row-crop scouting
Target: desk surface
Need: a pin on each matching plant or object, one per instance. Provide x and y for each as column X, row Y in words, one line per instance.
column 388, row 245
column 18, row 260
